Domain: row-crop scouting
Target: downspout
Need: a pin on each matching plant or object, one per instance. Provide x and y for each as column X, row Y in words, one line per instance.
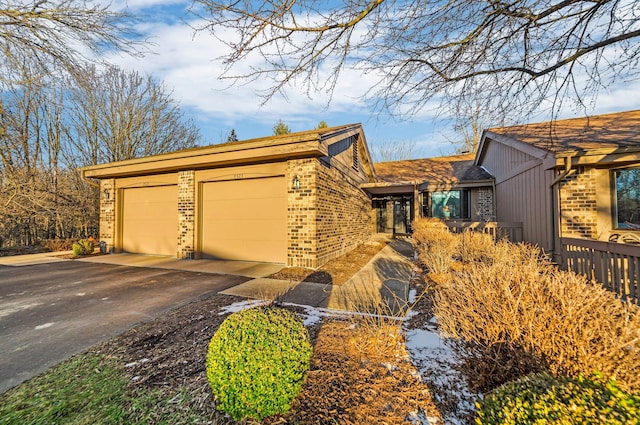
column 555, row 220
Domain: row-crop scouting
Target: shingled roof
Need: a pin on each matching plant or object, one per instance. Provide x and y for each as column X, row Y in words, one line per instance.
column 609, row 131
column 444, row 169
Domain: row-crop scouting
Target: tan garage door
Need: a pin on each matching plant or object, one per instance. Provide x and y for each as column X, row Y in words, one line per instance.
column 150, row 220
column 245, row 220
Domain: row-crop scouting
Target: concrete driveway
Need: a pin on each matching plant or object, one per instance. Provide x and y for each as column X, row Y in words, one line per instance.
column 51, row 311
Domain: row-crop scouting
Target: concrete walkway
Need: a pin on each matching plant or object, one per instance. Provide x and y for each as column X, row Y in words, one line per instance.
column 380, row 287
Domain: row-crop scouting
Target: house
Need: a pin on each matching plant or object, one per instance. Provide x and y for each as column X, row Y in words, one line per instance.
column 575, row 178
column 293, row 199
column 450, row 188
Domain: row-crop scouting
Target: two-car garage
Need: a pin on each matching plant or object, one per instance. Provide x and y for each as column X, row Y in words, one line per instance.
column 239, row 215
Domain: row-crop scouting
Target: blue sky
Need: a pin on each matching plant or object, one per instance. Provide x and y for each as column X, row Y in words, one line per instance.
column 186, row 63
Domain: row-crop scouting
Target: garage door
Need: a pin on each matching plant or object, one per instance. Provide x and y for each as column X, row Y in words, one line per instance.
column 245, row 220
column 150, row 220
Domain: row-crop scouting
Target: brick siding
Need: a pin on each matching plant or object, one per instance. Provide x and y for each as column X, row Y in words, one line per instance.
column 186, row 214
column 108, row 212
column 328, row 216
column 485, row 204
column 578, row 206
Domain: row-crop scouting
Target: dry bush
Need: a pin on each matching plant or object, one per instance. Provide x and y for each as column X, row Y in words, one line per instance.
column 56, row 245
column 434, row 244
column 518, row 313
column 474, row 246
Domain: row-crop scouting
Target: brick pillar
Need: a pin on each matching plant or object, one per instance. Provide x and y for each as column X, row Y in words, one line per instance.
column 186, row 214
column 485, row 204
column 578, row 205
column 301, row 205
column 108, row 213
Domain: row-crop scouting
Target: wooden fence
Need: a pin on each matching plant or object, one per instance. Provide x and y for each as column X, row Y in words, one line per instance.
column 615, row 265
column 499, row 230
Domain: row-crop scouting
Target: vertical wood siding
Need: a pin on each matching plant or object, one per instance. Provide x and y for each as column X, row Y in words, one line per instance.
column 524, row 197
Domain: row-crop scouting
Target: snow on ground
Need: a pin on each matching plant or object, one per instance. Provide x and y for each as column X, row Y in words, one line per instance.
column 435, row 362
column 431, row 357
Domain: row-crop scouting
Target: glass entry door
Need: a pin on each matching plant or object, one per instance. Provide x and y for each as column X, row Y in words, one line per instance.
column 393, row 214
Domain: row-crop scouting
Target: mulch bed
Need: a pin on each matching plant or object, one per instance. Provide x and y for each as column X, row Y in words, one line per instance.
column 345, row 384
column 336, row 271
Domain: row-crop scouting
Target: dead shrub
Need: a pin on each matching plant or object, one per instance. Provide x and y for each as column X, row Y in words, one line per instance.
column 56, row 245
column 434, row 244
column 519, row 305
column 474, row 246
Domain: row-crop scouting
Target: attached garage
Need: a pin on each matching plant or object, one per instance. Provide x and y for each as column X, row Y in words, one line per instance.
column 150, row 220
column 292, row 199
column 244, row 219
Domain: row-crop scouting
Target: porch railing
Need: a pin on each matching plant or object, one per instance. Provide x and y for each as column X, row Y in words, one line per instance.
column 497, row 229
column 615, row 265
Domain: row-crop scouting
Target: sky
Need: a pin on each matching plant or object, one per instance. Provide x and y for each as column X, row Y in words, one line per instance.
column 187, row 64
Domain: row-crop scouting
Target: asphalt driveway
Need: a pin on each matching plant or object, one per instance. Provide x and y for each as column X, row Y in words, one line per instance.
column 49, row 312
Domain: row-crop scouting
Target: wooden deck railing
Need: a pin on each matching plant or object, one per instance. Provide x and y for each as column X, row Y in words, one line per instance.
column 497, row 229
column 615, row 265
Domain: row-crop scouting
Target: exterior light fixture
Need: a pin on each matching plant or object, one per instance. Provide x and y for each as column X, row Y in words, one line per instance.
column 295, row 184
column 106, row 194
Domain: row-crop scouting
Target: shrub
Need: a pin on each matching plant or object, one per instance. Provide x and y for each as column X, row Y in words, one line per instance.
column 518, row 314
column 83, row 247
column 434, row 244
column 257, row 362
column 55, row 245
column 474, row 246
column 543, row 398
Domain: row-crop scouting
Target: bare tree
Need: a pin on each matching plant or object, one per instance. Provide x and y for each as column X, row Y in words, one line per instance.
column 59, row 33
column 52, row 128
column 117, row 115
column 515, row 56
column 393, row 150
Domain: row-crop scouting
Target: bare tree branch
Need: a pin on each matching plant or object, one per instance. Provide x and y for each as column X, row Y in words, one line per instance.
column 524, row 52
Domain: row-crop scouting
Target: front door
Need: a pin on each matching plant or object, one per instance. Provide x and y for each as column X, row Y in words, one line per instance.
column 393, row 214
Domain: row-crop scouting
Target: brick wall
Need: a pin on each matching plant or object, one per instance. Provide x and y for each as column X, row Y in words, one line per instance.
column 344, row 212
column 186, row 214
column 301, row 206
column 108, row 212
column 328, row 215
column 485, row 204
column 578, row 205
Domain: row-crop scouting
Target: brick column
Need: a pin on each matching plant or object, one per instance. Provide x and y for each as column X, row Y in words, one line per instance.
column 186, row 214
column 485, row 204
column 301, row 207
column 108, row 213
column 578, row 205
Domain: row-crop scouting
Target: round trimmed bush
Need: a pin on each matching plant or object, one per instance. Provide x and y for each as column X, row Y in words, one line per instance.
column 542, row 398
column 83, row 247
column 257, row 362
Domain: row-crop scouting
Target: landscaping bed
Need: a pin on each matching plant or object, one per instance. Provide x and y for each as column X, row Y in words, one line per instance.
column 156, row 373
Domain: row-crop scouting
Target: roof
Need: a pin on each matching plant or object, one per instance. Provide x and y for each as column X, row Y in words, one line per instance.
column 439, row 170
column 578, row 135
column 305, row 144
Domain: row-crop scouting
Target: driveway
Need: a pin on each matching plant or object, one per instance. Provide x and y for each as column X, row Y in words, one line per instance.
column 51, row 311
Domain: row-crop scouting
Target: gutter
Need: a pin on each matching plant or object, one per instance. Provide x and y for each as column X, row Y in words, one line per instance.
column 84, row 178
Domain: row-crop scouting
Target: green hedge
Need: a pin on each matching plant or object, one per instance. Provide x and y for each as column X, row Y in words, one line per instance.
column 83, row 247
column 257, row 362
column 545, row 399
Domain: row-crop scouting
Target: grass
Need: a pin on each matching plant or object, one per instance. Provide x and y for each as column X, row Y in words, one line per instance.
column 82, row 390
column 91, row 389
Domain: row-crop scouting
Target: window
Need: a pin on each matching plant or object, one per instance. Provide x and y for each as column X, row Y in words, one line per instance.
column 447, row 205
column 627, row 187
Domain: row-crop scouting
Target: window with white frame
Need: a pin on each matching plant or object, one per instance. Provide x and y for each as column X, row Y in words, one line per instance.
column 627, row 198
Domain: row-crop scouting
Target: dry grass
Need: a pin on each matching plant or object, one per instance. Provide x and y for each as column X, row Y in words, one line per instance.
column 434, row 244
column 514, row 313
